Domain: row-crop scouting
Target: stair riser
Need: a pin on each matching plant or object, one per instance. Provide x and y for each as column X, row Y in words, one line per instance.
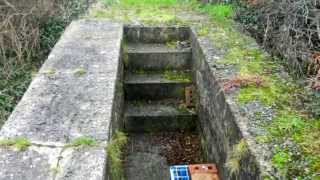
column 156, row 34
column 160, row 123
column 155, row 91
column 159, row 61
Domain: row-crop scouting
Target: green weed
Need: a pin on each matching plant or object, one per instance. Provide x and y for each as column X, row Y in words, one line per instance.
column 171, row 44
column 50, row 72
column 55, row 170
column 203, row 31
column 20, row 143
column 80, row 72
column 219, row 12
column 281, row 159
column 115, row 152
column 82, row 141
column 238, row 152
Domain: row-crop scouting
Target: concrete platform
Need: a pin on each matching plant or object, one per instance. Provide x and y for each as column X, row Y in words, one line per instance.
column 72, row 96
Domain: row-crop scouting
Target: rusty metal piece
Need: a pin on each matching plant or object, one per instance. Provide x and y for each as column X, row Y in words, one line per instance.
column 189, row 96
column 203, row 172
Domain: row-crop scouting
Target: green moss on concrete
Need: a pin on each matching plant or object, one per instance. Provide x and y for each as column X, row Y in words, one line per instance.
column 80, row 72
column 19, row 143
column 203, row 31
column 248, row 61
column 55, row 170
column 171, row 44
column 177, row 76
column 50, row 72
column 115, row 154
column 82, row 142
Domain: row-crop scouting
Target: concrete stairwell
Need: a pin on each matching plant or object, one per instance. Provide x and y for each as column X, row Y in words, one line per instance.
column 156, row 115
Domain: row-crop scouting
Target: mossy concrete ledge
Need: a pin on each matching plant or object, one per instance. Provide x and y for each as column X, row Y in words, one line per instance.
column 72, row 96
column 226, row 136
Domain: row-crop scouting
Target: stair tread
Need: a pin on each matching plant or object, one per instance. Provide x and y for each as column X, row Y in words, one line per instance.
column 154, row 78
column 154, row 48
column 157, row 108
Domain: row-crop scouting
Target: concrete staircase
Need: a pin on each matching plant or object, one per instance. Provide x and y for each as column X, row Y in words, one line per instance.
column 155, row 82
column 156, row 76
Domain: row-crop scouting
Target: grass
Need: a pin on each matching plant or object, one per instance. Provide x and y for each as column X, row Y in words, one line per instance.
column 143, row 3
column 171, row 44
column 19, row 143
column 203, row 31
column 238, row 153
column 115, row 152
column 80, row 72
column 149, row 12
column 303, row 149
column 82, row 142
column 219, row 12
column 50, row 72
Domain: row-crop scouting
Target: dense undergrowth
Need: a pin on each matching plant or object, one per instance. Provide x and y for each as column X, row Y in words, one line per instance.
column 26, row 38
column 292, row 133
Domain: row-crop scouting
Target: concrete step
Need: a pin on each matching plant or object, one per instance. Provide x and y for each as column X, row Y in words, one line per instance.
column 155, row 86
column 157, row 57
column 158, row 116
column 155, row 34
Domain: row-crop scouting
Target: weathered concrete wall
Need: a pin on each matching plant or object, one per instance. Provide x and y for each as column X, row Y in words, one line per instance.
column 145, row 34
column 221, row 124
column 72, row 96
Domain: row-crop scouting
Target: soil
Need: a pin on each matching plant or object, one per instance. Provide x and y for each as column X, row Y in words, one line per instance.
column 176, row 147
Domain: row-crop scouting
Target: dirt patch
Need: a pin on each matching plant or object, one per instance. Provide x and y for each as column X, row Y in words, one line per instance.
column 179, row 147
column 175, row 147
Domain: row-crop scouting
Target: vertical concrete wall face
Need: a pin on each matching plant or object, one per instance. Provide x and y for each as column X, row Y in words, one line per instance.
column 73, row 96
column 218, row 126
column 141, row 34
column 118, row 104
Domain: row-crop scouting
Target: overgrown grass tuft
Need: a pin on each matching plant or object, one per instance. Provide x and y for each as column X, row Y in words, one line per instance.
column 115, row 153
column 238, row 153
column 82, row 141
column 149, row 2
column 20, row 143
column 219, row 12
column 145, row 3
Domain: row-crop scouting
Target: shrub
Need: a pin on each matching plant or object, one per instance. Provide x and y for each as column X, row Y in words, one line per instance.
column 287, row 28
column 26, row 38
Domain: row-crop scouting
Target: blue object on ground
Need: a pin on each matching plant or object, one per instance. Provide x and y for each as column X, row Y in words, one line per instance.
column 179, row 172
